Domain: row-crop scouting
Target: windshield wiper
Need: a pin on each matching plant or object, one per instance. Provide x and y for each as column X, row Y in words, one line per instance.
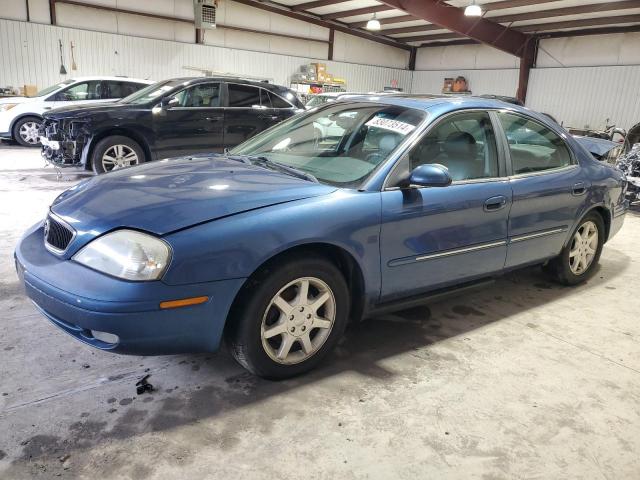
column 277, row 165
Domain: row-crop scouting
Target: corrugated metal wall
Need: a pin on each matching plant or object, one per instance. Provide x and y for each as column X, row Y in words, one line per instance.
column 587, row 96
column 497, row 82
column 29, row 54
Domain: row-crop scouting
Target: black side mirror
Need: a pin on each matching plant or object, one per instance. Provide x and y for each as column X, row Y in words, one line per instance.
column 170, row 102
column 428, row 175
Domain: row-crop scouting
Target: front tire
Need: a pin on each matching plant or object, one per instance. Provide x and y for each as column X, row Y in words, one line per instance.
column 26, row 131
column 115, row 152
column 288, row 318
column 578, row 259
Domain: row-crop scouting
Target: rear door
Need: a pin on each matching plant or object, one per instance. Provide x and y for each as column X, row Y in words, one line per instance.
column 192, row 122
column 245, row 115
column 548, row 187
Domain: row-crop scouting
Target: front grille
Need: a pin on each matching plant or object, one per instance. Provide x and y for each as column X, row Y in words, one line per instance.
column 57, row 235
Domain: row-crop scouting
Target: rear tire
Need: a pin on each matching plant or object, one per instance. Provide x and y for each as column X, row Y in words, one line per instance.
column 26, row 131
column 277, row 332
column 115, row 152
column 578, row 259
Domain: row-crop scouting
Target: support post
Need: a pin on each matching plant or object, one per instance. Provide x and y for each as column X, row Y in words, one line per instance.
column 527, row 62
column 332, row 34
column 52, row 12
column 199, row 36
column 412, row 58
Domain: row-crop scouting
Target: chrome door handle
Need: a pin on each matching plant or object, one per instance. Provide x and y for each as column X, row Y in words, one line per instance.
column 495, row 203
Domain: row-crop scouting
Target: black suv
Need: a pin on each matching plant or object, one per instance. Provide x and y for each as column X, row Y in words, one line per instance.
column 168, row 119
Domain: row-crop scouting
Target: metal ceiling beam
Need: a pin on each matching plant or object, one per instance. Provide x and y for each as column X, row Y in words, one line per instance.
column 555, row 12
column 357, row 11
column 488, row 7
column 317, row 20
column 454, row 19
column 542, row 27
column 316, row 4
column 561, row 12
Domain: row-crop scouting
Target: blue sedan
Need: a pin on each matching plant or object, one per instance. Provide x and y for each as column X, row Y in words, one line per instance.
column 349, row 209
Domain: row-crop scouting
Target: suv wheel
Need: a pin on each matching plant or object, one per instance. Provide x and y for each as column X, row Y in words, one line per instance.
column 26, row 131
column 115, row 152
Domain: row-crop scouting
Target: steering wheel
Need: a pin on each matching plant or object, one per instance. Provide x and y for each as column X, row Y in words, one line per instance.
column 375, row 158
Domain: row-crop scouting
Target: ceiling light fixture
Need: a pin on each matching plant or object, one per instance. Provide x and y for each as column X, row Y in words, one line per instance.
column 473, row 10
column 374, row 23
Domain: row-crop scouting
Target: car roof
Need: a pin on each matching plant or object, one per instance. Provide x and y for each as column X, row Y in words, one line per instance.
column 231, row 79
column 443, row 103
column 122, row 79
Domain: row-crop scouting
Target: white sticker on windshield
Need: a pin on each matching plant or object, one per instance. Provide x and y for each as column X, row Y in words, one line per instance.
column 393, row 125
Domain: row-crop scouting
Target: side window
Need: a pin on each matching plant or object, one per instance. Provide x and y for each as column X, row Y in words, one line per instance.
column 278, row 102
column 111, row 90
column 265, row 101
column 81, row 91
column 243, row 96
column 533, row 146
column 202, row 95
column 464, row 143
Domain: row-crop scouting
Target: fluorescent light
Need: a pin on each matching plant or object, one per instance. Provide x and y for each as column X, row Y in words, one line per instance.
column 473, row 10
column 374, row 23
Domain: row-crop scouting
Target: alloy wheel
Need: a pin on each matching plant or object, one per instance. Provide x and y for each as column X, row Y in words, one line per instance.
column 298, row 320
column 119, row 156
column 584, row 246
column 29, row 132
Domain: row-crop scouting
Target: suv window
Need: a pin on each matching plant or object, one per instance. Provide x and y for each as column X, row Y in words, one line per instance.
column 243, row 95
column 116, row 89
column 464, row 143
column 278, row 102
column 201, row 95
column 533, row 146
column 91, row 90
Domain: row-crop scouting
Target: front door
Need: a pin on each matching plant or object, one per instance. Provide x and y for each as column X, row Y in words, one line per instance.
column 433, row 237
column 191, row 122
column 548, row 190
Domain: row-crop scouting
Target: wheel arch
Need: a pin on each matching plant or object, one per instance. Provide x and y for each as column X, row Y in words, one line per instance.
column 21, row 116
column 339, row 256
column 123, row 131
column 606, row 218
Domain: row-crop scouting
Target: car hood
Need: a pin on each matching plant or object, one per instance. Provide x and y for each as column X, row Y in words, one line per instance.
column 72, row 111
column 169, row 195
column 597, row 146
column 6, row 100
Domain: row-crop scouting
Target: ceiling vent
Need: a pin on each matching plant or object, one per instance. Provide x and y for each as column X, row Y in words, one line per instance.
column 205, row 13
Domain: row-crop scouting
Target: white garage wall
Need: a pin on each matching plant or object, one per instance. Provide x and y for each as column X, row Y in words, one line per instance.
column 582, row 81
column 29, row 54
column 347, row 48
column 587, row 96
column 487, row 70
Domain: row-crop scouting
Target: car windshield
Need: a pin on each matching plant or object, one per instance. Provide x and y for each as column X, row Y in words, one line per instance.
column 53, row 88
column 340, row 144
column 151, row 92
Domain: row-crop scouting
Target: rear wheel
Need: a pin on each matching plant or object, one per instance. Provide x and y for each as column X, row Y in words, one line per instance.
column 115, row 152
column 26, row 131
column 291, row 318
column 580, row 256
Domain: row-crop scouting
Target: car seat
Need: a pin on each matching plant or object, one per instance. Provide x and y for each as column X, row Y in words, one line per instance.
column 460, row 156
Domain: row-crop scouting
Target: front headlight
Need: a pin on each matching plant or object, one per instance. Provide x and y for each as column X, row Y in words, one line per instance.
column 7, row 106
column 126, row 254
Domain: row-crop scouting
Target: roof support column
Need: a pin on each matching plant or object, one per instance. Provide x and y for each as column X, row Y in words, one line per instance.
column 527, row 62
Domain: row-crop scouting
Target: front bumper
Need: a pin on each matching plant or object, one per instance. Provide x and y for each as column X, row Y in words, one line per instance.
column 6, row 135
column 82, row 301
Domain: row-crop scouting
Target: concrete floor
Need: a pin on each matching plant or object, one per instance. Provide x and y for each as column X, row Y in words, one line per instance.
column 524, row 379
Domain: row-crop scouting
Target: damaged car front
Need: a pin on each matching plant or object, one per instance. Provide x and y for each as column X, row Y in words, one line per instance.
column 63, row 140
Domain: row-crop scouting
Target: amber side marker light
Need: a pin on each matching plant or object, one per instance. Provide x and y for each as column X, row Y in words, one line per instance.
column 184, row 302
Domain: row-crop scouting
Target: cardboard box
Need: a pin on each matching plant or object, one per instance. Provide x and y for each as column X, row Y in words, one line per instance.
column 29, row 90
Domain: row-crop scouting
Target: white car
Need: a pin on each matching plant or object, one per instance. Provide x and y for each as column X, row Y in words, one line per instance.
column 21, row 117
